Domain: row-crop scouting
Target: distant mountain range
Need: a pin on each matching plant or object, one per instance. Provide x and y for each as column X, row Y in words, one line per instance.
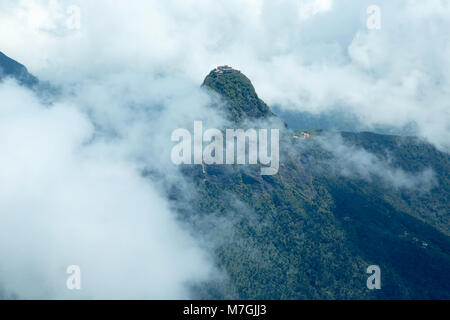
column 310, row 232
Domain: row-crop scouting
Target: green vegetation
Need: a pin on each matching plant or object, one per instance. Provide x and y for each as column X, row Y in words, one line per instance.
column 312, row 133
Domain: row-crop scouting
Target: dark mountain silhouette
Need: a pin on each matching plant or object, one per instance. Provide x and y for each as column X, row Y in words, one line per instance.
column 11, row 68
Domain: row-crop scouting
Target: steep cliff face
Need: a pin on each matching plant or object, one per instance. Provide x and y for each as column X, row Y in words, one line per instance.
column 11, row 68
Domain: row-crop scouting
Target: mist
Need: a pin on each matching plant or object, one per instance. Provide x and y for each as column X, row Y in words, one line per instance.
column 355, row 162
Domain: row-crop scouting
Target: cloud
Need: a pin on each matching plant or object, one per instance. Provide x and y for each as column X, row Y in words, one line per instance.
column 72, row 196
column 313, row 7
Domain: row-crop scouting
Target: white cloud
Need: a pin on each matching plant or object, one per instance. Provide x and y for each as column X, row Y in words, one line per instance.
column 70, row 198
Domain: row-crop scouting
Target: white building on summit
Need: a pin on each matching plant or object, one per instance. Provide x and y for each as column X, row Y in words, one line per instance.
column 223, row 69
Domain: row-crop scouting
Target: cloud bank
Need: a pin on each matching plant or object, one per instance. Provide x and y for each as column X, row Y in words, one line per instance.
column 129, row 74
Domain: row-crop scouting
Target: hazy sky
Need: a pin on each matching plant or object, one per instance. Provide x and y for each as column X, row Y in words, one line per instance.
column 130, row 74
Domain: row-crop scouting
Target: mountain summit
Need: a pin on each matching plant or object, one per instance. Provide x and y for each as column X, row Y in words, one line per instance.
column 238, row 91
column 11, row 68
